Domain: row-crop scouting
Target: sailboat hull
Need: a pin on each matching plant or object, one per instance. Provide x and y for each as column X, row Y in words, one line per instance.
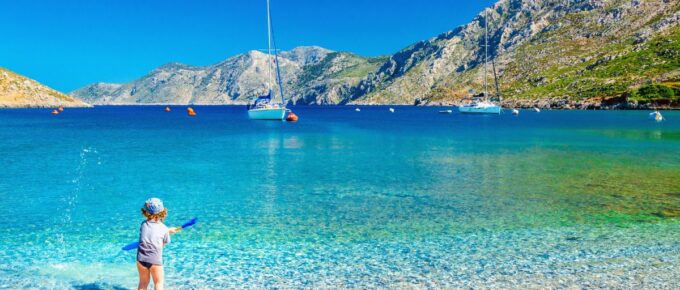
column 479, row 110
column 267, row 114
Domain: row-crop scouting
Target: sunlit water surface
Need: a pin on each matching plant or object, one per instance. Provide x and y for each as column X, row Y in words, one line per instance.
column 347, row 199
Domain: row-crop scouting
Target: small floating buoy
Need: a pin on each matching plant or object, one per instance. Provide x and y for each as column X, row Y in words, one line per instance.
column 167, row 109
column 357, row 109
column 515, row 112
column 61, row 109
column 537, row 110
column 391, row 110
column 55, row 112
column 292, row 117
column 191, row 112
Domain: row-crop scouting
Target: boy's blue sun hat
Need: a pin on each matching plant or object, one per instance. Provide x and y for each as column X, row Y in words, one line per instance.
column 153, row 205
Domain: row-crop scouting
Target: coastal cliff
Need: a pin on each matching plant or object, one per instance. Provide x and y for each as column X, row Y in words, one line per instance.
column 585, row 54
column 18, row 91
column 548, row 53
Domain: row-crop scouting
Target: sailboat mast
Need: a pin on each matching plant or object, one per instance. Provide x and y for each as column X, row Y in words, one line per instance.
column 486, row 53
column 272, row 44
column 269, row 48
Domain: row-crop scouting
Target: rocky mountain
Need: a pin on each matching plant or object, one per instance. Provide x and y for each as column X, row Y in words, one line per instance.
column 546, row 52
column 312, row 75
column 565, row 53
column 18, row 91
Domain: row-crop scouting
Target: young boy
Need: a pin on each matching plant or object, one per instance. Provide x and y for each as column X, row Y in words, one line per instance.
column 153, row 236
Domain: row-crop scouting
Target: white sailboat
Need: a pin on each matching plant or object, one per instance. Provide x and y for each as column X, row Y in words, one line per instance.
column 264, row 107
column 480, row 107
column 483, row 105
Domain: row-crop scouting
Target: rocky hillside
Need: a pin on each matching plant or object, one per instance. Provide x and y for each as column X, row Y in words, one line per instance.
column 17, row 91
column 546, row 52
column 312, row 75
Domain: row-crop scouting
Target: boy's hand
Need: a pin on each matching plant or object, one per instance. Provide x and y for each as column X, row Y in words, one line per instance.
column 174, row 230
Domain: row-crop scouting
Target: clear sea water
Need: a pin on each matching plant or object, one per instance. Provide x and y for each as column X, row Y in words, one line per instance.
column 343, row 199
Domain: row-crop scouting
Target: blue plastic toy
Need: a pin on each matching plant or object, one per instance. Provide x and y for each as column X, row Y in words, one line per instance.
column 134, row 245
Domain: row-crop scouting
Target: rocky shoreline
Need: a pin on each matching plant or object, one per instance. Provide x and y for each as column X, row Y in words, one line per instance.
column 616, row 103
column 42, row 105
column 552, row 104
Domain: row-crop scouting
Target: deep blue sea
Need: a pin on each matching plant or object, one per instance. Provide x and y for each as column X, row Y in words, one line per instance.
column 342, row 199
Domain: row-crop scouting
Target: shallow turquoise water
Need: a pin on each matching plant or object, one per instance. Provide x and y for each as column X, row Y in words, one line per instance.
column 343, row 198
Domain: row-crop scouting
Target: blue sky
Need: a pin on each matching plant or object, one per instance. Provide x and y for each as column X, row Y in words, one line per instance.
column 70, row 43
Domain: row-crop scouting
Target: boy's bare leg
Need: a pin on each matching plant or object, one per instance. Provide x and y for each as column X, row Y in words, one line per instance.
column 143, row 277
column 158, row 277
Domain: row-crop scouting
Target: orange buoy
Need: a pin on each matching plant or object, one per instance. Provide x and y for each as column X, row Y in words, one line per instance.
column 292, row 117
column 61, row 109
column 55, row 112
column 167, row 109
column 191, row 112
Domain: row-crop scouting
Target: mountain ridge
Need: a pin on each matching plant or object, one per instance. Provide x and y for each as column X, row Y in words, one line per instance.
column 234, row 80
column 547, row 53
column 524, row 36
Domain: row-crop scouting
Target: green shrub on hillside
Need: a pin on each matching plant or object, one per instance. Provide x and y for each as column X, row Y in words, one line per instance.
column 585, row 69
column 653, row 92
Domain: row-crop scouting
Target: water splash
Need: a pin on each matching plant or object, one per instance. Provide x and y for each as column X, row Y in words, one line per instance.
column 86, row 156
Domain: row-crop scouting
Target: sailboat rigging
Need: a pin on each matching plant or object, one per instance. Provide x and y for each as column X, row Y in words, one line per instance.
column 479, row 105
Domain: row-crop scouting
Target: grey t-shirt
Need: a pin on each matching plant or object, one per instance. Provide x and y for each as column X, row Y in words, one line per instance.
column 152, row 237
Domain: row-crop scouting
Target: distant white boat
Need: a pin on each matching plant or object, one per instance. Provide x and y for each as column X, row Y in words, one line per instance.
column 537, row 110
column 480, row 107
column 445, row 112
column 357, row 109
column 264, row 107
column 391, row 110
column 515, row 112
column 656, row 116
